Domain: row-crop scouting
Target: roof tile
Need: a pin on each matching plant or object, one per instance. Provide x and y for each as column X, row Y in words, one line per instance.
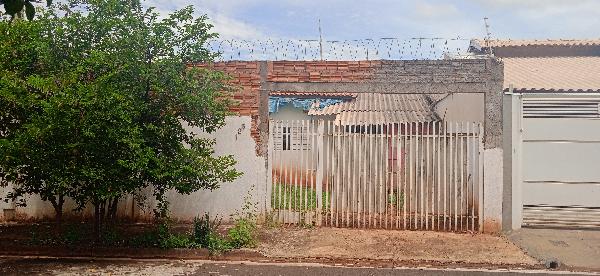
column 570, row 74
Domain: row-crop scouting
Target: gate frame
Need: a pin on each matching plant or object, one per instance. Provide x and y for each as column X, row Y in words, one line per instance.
column 513, row 152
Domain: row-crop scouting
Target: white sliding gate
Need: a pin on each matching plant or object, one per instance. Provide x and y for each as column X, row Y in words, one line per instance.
column 560, row 153
column 405, row 175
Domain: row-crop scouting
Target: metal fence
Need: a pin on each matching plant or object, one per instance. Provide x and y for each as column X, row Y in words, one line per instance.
column 405, row 175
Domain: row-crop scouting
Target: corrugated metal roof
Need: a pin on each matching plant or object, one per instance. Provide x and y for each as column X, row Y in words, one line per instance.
column 495, row 43
column 313, row 94
column 568, row 74
column 379, row 108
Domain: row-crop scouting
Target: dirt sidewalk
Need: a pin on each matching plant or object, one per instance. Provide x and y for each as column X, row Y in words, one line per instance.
column 339, row 243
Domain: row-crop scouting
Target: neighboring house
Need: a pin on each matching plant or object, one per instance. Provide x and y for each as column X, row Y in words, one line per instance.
column 553, row 108
column 534, row 66
column 373, row 113
column 359, row 112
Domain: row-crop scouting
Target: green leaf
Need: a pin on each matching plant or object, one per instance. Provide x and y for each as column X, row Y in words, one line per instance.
column 29, row 10
column 13, row 7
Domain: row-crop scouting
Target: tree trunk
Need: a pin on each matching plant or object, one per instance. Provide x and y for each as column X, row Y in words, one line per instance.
column 97, row 222
column 112, row 210
column 57, row 204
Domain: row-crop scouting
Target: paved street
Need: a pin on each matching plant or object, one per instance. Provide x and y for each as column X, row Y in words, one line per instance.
column 24, row 266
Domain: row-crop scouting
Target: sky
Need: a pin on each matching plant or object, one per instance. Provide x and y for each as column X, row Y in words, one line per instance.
column 361, row 19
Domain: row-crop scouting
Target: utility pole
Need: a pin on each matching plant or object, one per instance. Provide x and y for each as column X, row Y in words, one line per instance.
column 320, row 40
column 488, row 35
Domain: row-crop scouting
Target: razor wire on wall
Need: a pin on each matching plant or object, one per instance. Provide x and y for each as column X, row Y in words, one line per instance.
column 359, row 49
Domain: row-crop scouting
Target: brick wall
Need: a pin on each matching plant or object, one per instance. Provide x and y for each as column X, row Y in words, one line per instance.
column 374, row 76
column 321, row 71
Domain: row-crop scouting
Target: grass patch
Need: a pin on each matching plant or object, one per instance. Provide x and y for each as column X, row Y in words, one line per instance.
column 296, row 198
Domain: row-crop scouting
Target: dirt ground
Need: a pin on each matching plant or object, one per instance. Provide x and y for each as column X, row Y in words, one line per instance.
column 391, row 245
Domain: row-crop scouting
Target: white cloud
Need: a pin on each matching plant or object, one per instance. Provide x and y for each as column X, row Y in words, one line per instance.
column 219, row 16
column 229, row 28
column 435, row 10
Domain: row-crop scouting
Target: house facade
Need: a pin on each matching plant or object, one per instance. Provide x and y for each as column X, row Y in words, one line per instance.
column 552, row 118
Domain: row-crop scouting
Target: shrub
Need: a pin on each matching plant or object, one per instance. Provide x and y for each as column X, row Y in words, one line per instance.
column 204, row 229
column 242, row 234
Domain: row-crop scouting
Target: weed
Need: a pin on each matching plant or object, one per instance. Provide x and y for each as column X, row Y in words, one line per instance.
column 271, row 220
column 242, row 234
column 216, row 244
column 176, row 241
column 297, row 198
column 395, row 200
column 203, row 228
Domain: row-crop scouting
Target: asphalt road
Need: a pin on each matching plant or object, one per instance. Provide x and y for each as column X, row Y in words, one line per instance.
column 35, row 266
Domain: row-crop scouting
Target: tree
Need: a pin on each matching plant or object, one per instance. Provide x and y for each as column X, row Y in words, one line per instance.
column 110, row 95
column 15, row 7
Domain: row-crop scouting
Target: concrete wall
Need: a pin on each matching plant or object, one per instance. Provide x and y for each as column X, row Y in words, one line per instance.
column 477, row 78
column 461, row 107
column 513, row 206
column 234, row 138
column 482, row 77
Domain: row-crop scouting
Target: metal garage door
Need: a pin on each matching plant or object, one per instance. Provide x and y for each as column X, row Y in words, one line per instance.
column 561, row 161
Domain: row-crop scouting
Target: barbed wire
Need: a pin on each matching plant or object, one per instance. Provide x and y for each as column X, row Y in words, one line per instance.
column 389, row 48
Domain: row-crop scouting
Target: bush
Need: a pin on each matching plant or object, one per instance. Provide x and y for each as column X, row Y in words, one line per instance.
column 242, row 234
column 204, row 229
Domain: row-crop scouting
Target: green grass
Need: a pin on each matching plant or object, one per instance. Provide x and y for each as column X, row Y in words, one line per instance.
column 296, row 198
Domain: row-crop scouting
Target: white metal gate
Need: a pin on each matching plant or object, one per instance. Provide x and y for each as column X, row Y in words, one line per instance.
column 560, row 159
column 405, row 175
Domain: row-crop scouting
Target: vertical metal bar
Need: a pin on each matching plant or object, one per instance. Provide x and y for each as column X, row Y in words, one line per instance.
column 359, row 163
column 280, row 186
column 467, row 174
column 446, row 165
column 313, row 150
column 452, row 187
column 404, row 174
column 377, row 175
column 481, row 184
column 439, row 175
column 313, row 169
column 363, row 170
column 343, row 174
column 330, row 173
column 315, row 193
column 386, row 145
column 287, row 172
column 435, row 183
column 382, row 176
column 339, row 179
column 413, row 176
column 456, row 199
column 355, row 165
column 354, row 172
column 346, row 193
column 473, row 174
column 294, row 173
column 421, row 173
column 301, row 148
column 396, row 139
column 277, row 173
column 462, row 166
column 368, row 175
column 426, row 173
column 418, row 177
column 330, row 169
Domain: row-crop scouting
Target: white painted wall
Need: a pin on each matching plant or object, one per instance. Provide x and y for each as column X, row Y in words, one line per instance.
column 234, row 138
column 462, row 107
column 493, row 189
